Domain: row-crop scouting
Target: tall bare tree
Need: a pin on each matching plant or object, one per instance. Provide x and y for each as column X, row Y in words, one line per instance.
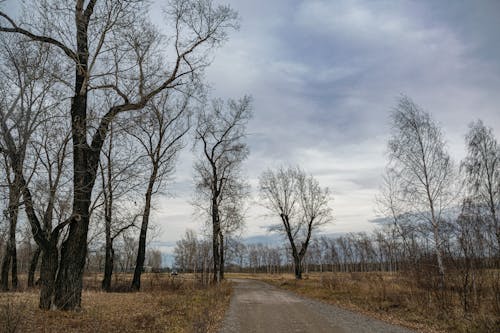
column 25, row 102
column 482, row 173
column 112, row 46
column 220, row 188
column 51, row 194
column 301, row 203
column 424, row 169
column 120, row 174
column 160, row 135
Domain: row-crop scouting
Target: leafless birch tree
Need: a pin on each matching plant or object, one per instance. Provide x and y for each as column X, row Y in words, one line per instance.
column 424, row 169
column 482, row 173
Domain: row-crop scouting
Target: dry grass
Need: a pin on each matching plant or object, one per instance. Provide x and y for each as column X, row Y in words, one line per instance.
column 389, row 297
column 166, row 305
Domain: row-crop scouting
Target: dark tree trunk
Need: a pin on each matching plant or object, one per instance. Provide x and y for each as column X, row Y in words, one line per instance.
column 5, row 268
column 33, row 265
column 297, row 267
column 221, row 255
column 48, row 270
column 141, row 255
column 108, row 207
column 141, row 251
column 14, row 266
column 69, row 282
column 9, row 261
column 108, row 266
column 215, row 241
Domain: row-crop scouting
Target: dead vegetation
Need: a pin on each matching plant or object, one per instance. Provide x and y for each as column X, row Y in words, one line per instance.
column 166, row 304
column 397, row 298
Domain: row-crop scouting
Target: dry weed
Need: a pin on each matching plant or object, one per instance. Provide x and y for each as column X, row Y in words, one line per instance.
column 166, row 305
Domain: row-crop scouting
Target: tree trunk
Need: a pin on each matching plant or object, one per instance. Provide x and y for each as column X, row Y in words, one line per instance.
column 69, row 281
column 141, row 251
column 5, row 268
column 108, row 267
column 9, row 261
column 215, row 242
column 48, row 270
column 10, row 257
column 298, row 266
column 108, row 207
column 33, row 265
column 221, row 255
column 14, row 266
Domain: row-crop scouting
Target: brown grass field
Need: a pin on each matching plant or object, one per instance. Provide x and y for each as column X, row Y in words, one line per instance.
column 166, row 304
column 389, row 297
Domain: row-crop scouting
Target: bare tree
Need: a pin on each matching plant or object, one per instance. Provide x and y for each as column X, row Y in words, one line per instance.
column 154, row 259
column 27, row 121
column 51, row 196
column 220, row 188
column 192, row 254
column 25, row 103
column 120, row 176
column 424, row 169
column 185, row 252
column 302, row 205
column 160, row 135
column 113, row 47
column 390, row 205
column 482, row 173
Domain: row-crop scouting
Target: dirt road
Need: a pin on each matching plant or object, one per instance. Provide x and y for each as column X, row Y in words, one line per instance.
column 259, row 307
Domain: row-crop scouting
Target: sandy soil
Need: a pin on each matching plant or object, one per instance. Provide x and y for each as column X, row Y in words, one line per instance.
column 259, row 307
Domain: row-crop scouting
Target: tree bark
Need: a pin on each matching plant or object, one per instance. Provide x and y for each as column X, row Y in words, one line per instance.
column 48, row 270
column 221, row 255
column 69, row 280
column 298, row 266
column 6, row 267
column 215, row 240
column 108, row 266
column 9, row 261
column 108, row 218
column 33, row 265
column 141, row 251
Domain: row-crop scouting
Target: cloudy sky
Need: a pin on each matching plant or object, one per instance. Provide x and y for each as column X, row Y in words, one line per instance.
column 324, row 75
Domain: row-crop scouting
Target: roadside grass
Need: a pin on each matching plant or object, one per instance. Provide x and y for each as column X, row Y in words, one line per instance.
column 166, row 304
column 390, row 297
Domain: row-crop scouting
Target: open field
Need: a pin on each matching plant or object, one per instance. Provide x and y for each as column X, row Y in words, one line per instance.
column 389, row 297
column 166, row 305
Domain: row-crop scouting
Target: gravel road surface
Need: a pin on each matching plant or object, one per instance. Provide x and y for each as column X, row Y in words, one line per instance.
column 259, row 307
